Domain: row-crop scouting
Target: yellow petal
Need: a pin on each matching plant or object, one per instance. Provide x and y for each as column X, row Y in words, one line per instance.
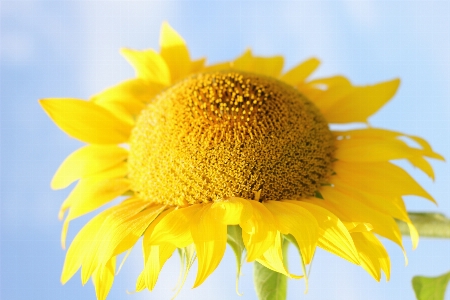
column 426, row 147
column 197, row 65
column 118, row 171
column 125, row 216
column 87, row 161
column 350, row 210
column 326, row 92
column 103, row 279
column 92, row 192
column 128, row 93
column 86, row 243
column 333, row 235
column 124, row 106
column 148, row 64
column 175, row 52
column 154, row 255
column 379, row 178
column 413, row 233
column 390, row 205
column 258, row 232
column 210, row 239
column 377, row 138
column 326, row 99
column 157, row 257
column 146, row 243
column 232, row 211
column 423, row 165
column 86, row 121
column 88, row 195
column 395, row 147
column 269, row 66
column 369, row 150
column 174, row 228
column 298, row 221
column 273, row 259
column 80, row 246
column 127, row 99
column 310, row 93
column 358, row 226
column 373, row 256
column 362, row 102
column 140, row 282
column 330, row 82
column 123, row 230
column 299, row 73
column 219, row 67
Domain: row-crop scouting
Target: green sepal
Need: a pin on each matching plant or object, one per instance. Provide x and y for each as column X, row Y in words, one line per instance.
column 270, row 285
column 318, row 195
column 187, row 259
column 236, row 243
column 430, row 288
column 290, row 238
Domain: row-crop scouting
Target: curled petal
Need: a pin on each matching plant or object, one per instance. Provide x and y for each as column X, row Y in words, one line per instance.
column 351, row 210
column 258, row 232
column 273, row 259
column 389, row 205
column 333, row 235
column 298, row 221
column 373, row 256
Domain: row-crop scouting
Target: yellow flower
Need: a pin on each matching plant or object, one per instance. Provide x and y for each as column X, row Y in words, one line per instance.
column 236, row 147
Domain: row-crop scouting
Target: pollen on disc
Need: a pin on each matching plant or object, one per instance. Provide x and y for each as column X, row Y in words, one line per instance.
column 217, row 135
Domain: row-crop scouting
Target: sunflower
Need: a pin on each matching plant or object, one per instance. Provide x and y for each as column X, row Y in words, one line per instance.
column 239, row 152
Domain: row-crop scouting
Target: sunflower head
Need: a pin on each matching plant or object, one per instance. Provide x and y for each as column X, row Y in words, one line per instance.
column 193, row 147
column 229, row 134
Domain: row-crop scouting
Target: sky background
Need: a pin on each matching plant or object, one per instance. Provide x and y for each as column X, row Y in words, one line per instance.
column 71, row 49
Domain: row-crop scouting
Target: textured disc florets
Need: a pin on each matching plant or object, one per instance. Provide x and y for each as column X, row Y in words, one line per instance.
column 217, row 135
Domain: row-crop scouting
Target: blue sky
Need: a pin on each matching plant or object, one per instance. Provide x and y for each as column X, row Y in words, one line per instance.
column 70, row 49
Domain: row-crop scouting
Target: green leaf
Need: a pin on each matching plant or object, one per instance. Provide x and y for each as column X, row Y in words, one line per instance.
column 270, row 285
column 434, row 225
column 237, row 244
column 430, row 288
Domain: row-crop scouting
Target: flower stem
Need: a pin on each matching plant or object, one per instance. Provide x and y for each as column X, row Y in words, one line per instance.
column 433, row 225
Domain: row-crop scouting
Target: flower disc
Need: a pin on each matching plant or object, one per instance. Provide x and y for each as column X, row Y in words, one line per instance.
column 217, row 135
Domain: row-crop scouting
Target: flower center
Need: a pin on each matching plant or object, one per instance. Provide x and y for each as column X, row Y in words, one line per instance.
column 217, row 135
